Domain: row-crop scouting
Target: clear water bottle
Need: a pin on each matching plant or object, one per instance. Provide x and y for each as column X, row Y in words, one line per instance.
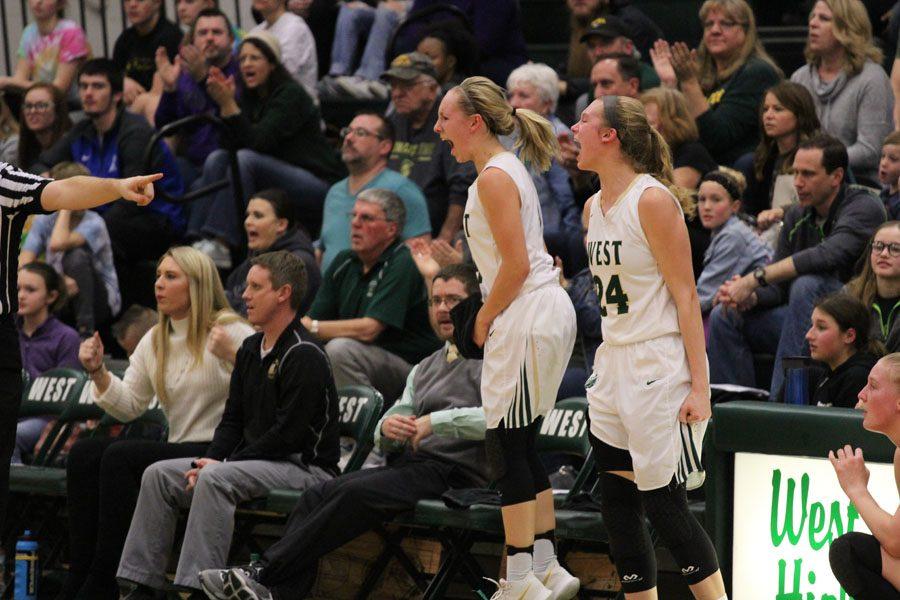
column 27, row 574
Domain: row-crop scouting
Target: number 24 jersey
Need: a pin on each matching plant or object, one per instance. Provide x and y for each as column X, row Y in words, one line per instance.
column 634, row 301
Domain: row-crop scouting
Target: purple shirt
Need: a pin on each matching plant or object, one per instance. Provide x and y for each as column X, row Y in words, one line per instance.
column 190, row 98
column 54, row 344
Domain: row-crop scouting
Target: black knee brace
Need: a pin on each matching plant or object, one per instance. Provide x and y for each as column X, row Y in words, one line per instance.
column 680, row 531
column 514, row 463
column 856, row 563
column 629, row 540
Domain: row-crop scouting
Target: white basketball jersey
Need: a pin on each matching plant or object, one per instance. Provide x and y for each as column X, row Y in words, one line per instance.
column 481, row 241
column 635, row 303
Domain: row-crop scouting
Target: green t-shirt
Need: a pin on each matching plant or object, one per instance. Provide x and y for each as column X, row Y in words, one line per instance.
column 392, row 292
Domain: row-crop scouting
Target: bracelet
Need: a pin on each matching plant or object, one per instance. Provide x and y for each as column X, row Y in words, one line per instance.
column 97, row 370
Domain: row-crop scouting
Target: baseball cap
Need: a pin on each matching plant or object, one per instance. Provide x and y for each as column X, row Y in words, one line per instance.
column 409, row 66
column 609, row 27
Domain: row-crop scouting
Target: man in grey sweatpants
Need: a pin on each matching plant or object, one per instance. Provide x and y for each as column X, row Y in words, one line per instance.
column 279, row 430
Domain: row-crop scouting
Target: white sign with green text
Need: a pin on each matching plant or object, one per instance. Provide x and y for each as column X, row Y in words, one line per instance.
column 787, row 510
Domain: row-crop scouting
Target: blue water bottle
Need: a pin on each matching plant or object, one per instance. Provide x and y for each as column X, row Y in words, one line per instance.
column 26, row 568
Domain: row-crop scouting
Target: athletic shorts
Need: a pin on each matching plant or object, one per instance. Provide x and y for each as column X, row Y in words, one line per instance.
column 634, row 395
column 526, row 353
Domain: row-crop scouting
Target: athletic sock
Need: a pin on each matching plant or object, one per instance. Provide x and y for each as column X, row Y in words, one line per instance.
column 519, row 562
column 544, row 552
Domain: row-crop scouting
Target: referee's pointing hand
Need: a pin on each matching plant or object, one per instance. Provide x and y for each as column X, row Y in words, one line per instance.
column 138, row 189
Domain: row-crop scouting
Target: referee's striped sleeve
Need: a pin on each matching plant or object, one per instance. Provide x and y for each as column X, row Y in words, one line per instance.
column 20, row 190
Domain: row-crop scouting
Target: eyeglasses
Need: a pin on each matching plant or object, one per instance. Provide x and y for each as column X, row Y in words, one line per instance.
column 892, row 248
column 36, row 106
column 359, row 132
column 450, row 301
column 707, row 25
column 367, row 219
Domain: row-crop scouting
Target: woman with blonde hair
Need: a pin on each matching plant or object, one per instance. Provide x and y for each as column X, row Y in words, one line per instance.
column 723, row 80
column 526, row 325
column 184, row 363
column 851, row 91
column 668, row 113
column 649, row 395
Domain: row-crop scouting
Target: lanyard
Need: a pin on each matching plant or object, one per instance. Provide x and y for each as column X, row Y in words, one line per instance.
column 885, row 327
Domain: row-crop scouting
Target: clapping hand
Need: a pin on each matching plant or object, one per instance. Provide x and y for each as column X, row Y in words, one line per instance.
column 661, row 56
column 167, row 70
column 684, row 62
column 220, row 88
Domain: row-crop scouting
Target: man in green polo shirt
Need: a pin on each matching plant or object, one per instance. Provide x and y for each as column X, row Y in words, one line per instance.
column 372, row 306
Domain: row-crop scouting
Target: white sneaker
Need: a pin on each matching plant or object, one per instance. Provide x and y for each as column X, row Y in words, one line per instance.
column 525, row 589
column 562, row 584
column 216, row 250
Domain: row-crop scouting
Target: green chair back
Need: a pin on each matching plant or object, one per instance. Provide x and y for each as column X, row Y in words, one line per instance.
column 359, row 409
column 51, row 393
column 564, row 429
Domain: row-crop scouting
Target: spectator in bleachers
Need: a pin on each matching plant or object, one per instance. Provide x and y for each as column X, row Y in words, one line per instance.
column 44, row 119
column 275, row 128
column 297, row 48
column 134, row 323
column 184, row 85
column 453, row 50
column 612, row 75
column 418, row 152
column 724, row 85
column 44, row 341
column 279, row 430
column 134, row 53
column 185, row 362
column 820, row 242
column 188, row 11
column 435, row 433
column 667, row 112
column 787, row 117
column 851, row 91
column 9, row 134
column 372, row 308
column 369, row 23
column 77, row 245
column 889, row 174
column 734, row 248
column 50, row 51
column 878, row 284
column 840, row 337
column 367, row 144
column 611, row 35
column 270, row 227
column 112, row 142
column 536, row 87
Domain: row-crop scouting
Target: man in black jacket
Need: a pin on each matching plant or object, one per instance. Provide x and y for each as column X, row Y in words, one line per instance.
column 279, row 430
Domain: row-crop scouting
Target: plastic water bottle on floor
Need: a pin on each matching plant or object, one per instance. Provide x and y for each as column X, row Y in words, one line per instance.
column 27, row 574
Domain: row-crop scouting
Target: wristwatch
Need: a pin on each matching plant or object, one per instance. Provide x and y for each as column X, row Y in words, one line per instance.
column 760, row 275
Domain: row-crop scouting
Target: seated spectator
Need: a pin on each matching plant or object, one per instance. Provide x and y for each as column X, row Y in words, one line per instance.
column 850, row 89
column 667, row 112
column 185, row 362
column 134, row 52
column 296, row 46
column 44, row 119
column 453, row 51
column 612, row 75
column 45, row 342
column 184, row 85
column 9, row 134
column 889, row 174
column 839, row 337
column 270, row 227
column 878, row 285
column 77, row 245
column 868, row 565
column 50, row 51
column 276, row 128
column 112, row 142
column 374, row 26
column 724, row 87
column 131, row 327
column 418, row 152
column 820, row 242
column 611, row 35
column 435, row 433
column 734, row 248
column 187, row 12
column 372, row 306
column 787, row 117
column 367, row 144
column 279, row 430
column 536, row 87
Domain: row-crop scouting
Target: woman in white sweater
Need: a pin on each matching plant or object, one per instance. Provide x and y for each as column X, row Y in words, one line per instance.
column 185, row 361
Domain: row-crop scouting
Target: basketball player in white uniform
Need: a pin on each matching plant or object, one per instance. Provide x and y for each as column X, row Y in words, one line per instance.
column 526, row 325
column 649, row 392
